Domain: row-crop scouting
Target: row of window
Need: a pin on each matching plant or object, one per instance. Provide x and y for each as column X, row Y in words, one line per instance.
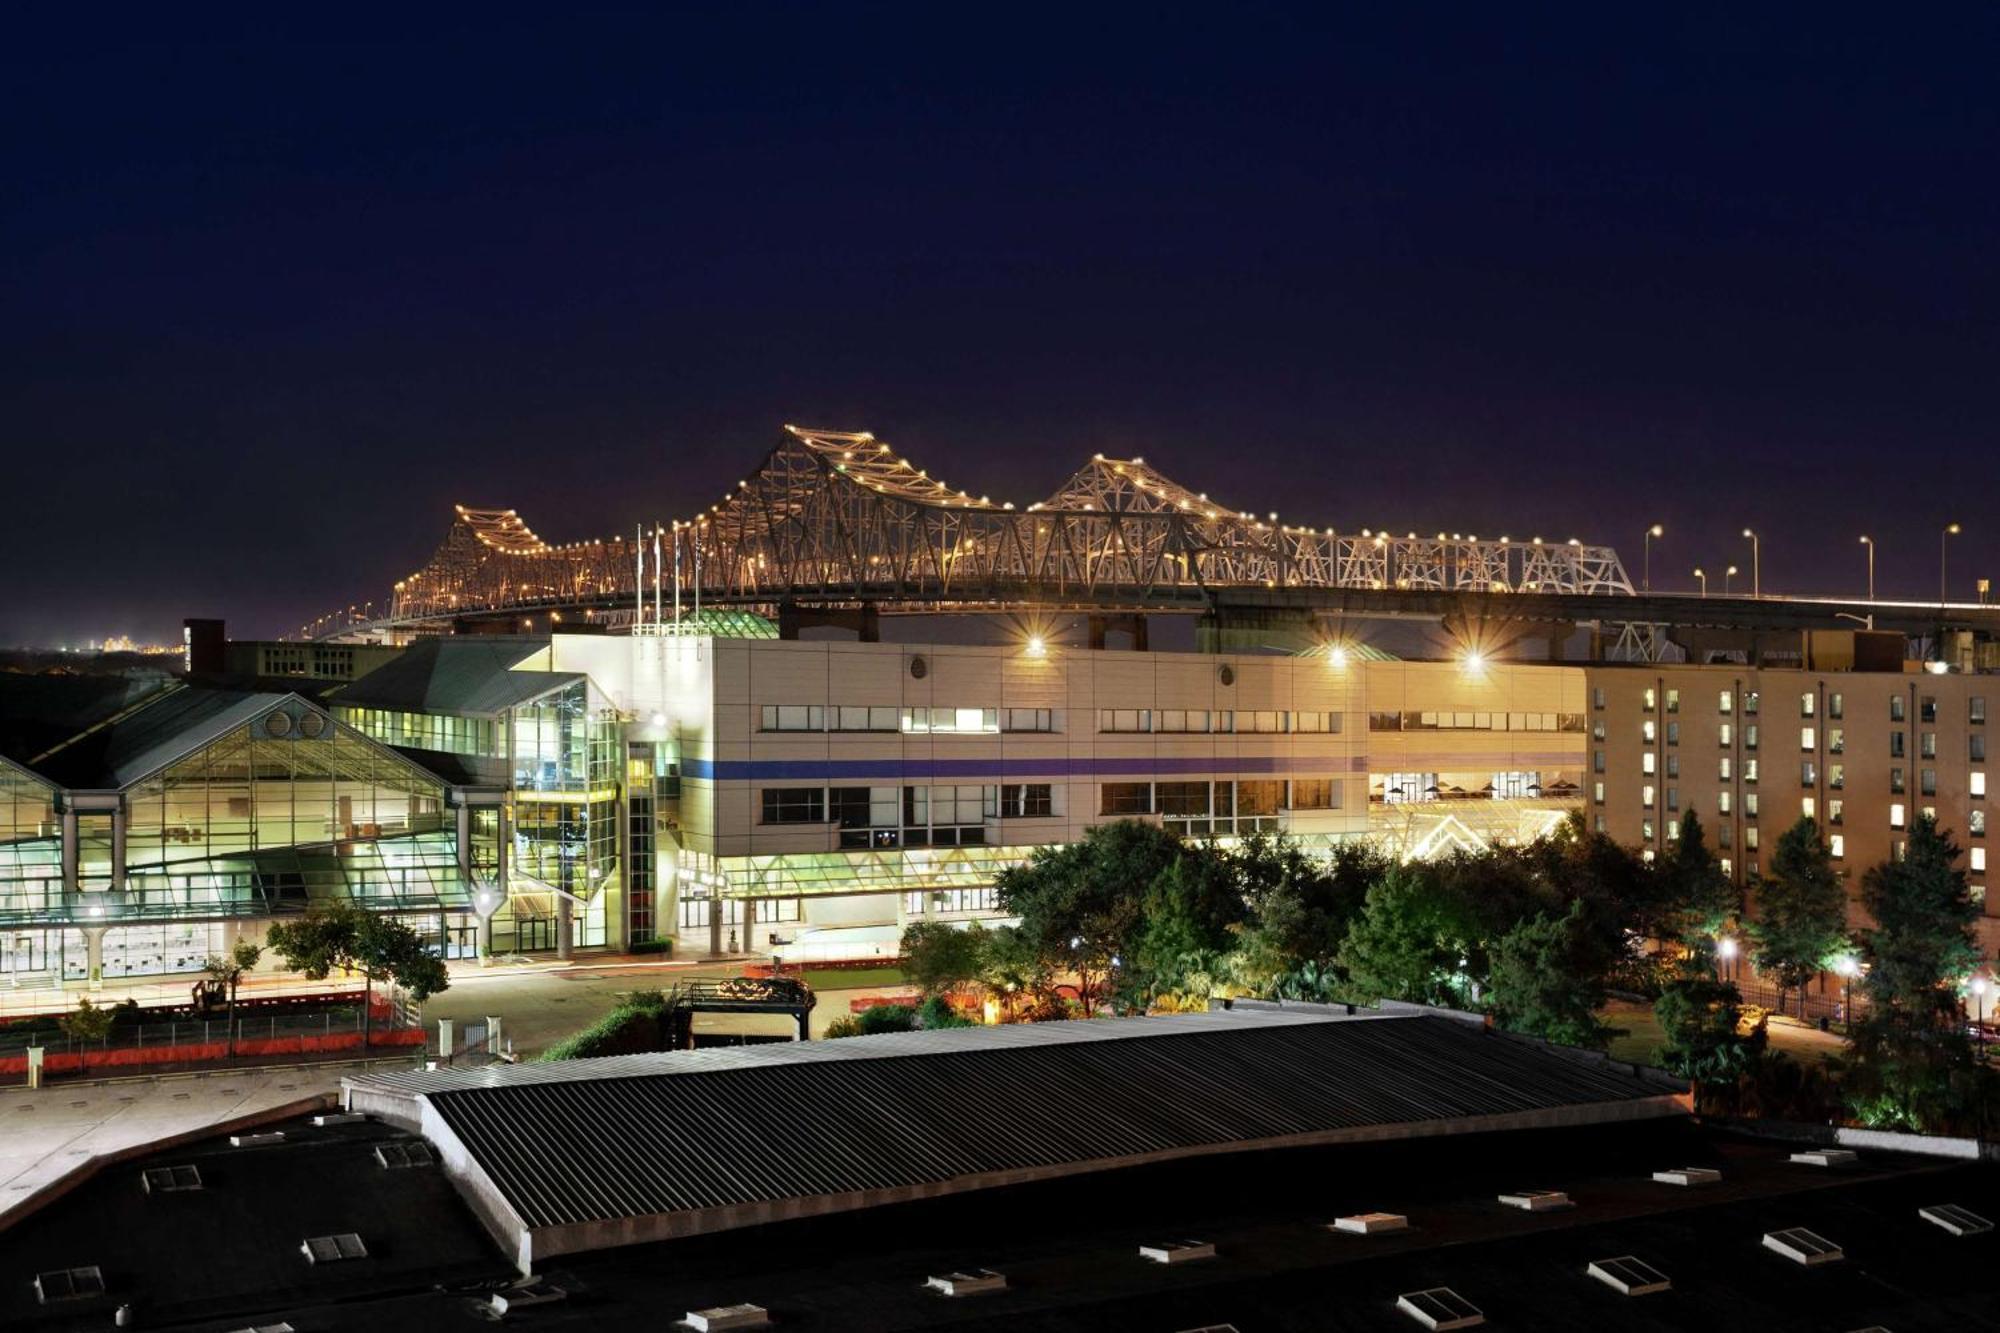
column 856, row 717
column 1198, row 800
column 1466, row 720
column 1927, row 705
column 1239, row 721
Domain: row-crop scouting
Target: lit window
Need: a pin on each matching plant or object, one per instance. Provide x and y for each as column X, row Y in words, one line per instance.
column 1749, row 805
column 1673, row 831
column 1673, row 701
column 1646, row 763
column 1834, row 808
column 1723, row 702
column 1597, row 697
column 1978, row 861
column 1749, row 770
column 1646, row 855
column 1896, row 814
column 1836, row 775
column 1807, row 739
column 1649, row 699
column 1726, row 735
column 1836, row 740
column 1975, row 823
column 1726, row 768
column 1808, row 774
column 1836, row 846
column 1806, row 807
column 1927, row 744
column 1749, row 838
column 1750, row 702
column 1750, row 736
column 1722, row 802
column 1725, row 866
column 1646, row 796
column 1978, row 787
column 1649, row 730
column 1896, row 710
column 1806, row 704
column 1598, row 793
column 1835, row 705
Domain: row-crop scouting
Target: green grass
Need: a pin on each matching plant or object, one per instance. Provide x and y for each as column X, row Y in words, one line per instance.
column 1642, row 1035
column 853, row 978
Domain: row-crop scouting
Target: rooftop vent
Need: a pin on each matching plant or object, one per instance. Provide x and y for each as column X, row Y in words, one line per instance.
column 332, row 1249
column 974, row 1283
column 1440, row 1308
column 1633, row 1277
column 524, row 1295
column 1211, row 1328
column 398, row 1156
column 1958, row 1221
column 69, row 1284
column 256, row 1140
column 171, row 1179
column 1803, row 1247
column 339, row 1118
column 280, row 1327
column 1689, row 1175
column 1538, row 1201
column 719, row 1317
column 1371, row 1224
column 1827, row 1157
column 1177, row 1251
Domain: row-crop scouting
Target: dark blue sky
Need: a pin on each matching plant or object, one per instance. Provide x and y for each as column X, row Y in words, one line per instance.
column 274, row 297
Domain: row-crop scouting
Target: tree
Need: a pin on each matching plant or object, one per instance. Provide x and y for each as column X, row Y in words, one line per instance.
column 1080, row 903
column 1699, row 1019
column 939, row 957
column 1695, row 898
column 88, row 1022
column 1910, row 1052
column 228, row 969
column 1410, row 941
column 1548, row 979
column 1801, row 910
column 1186, row 923
column 353, row 939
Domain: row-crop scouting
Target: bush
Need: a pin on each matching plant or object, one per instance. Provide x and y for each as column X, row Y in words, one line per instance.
column 937, row 1012
column 847, row 1025
column 886, row 1018
column 651, row 946
column 633, row 1028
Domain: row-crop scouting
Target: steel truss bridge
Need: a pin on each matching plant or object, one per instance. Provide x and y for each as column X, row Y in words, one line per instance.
column 836, row 520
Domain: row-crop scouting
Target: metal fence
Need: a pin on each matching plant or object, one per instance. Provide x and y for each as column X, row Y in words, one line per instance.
column 1830, row 1005
column 195, row 1040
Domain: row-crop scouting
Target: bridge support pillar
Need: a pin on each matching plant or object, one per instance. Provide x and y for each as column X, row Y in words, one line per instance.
column 1134, row 625
column 864, row 620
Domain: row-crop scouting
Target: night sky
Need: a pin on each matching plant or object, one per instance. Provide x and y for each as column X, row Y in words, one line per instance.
column 273, row 298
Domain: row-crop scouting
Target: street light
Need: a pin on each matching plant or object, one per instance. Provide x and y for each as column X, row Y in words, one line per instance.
column 1657, row 530
column 1725, row 949
column 1727, row 575
column 1869, row 542
column 1950, row 531
column 1704, row 582
column 1756, row 564
column 1847, row 967
column 1979, row 1023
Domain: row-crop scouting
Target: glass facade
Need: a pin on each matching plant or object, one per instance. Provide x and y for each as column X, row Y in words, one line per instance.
column 430, row 731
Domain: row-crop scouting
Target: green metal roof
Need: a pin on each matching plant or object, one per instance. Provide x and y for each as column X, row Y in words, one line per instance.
column 460, row 677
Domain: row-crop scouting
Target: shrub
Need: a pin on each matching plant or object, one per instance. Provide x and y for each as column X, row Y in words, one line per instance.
column 886, row 1018
column 937, row 1012
column 847, row 1025
column 633, row 1028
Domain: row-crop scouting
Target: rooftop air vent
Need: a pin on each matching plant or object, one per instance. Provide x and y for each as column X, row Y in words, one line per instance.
column 280, row 1327
column 1371, row 1224
column 278, row 723
column 1827, row 1157
column 333, row 1249
column 919, row 668
column 974, row 1283
column 1803, row 1247
column 69, row 1284
column 1211, row 1328
column 256, row 1140
column 171, row 1179
column 312, row 726
column 1958, row 1221
column 1538, row 1201
column 399, row 1156
column 719, row 1317
column 1440, row 1308
column 1177, row 1251
column 1689, row 1175
column 339, row 1118
column 1633, row 1277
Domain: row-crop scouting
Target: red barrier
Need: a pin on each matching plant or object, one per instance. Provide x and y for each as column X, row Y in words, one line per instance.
column 128, row 1057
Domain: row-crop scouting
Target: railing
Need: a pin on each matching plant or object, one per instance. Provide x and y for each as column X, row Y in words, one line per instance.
column 1830, row 1005
column 130, row 1047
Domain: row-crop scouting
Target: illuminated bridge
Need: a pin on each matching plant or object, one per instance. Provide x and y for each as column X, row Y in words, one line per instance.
column 833, row 521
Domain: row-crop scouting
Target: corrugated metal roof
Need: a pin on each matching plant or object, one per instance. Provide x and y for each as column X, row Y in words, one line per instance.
column 889, row 1115
column 152, row 735
column 468, row 677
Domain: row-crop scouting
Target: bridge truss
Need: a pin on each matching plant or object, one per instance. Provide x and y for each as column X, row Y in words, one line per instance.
column 836, row 518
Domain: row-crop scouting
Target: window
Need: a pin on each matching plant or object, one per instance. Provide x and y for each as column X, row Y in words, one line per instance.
column 794, row 717
column 1927, row 709
column 1895, row 745
column 1673, row 765
column 1673, row 798
column 1647, row 700
column 1836, row 776
column 1836, row 740
column 1749, row 770
column 1895, row 779
column 1975, row 823
column 1835, row 807
column 856, row 717
column 1836, row 846
column 1032, row 800
column 1808, row 775
column 1028, row 719
column 1749, row 805
column 1726, row 734
column 951, row 719
column 1750, row 735
column 1725, row 768
column 1597, row 793
column 1260, row 721
column 1646, row 832
column 1896, row 814
column 1124, row 719
column 1182, row 800
column 1127, row 798
column 1975, row 747
column 1807, row 739
column 1649, row 731
column 1978, row 784
column 1326, row 722
column 1975, row 709
column 1673, row 701
column 1927, row 781
column 794, row 805
column 1646, row 796
column 1177, row 720
column 1749, row 837
column 1597, row 730
column 1646, row 763
column 1750, row 703
column 1724, row 862
column 1597, row 761
column 1806, row 704
column 1597, row 697
column 1725, row 836
column 1315, row 794
column 1977, row 860
column 1722, row 802
column 1806, row 807
column 1836, row 705
column 1673, row 733
column 1673, row 829
column 1598, row 823
column 1895, row 708
column 1724, row 702
column 1927, row 744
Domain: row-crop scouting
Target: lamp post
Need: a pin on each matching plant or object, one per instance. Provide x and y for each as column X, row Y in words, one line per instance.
column 1725, row 949
column 1657, row 530
column 1847, row 967
column 1727, row 575
column 1704, row 581
column 1756, row 564
column 1869, row 542
column 1979, row 1022
column 1950, row 530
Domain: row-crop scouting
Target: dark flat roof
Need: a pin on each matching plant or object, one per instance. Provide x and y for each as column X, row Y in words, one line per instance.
column 472, row 676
